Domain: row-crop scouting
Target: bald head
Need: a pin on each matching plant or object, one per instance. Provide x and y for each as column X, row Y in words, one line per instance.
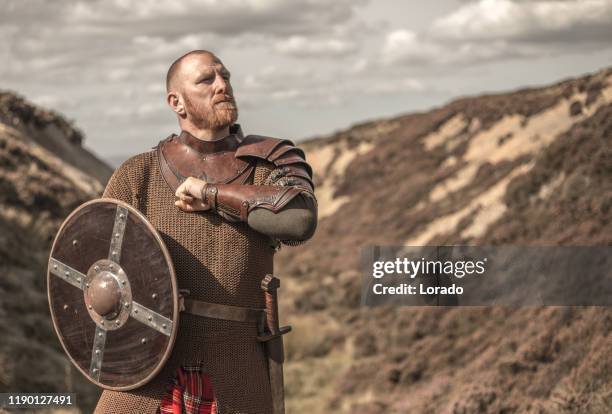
column 174, row 72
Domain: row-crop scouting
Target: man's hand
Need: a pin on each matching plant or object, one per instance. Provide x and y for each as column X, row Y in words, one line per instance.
column 189, row 195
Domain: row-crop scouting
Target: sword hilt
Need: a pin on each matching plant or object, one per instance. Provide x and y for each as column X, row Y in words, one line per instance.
column 269, row 285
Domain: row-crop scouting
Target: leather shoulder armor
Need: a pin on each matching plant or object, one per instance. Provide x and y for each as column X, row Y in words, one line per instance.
column 259, row 146
column 281, row 152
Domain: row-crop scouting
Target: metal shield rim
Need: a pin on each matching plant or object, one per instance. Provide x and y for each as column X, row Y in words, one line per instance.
column 175, row 298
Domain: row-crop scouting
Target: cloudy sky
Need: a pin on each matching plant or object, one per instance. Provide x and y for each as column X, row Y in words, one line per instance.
column 300, row 68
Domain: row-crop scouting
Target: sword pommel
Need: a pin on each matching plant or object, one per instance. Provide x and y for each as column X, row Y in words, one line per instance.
column 270, row 283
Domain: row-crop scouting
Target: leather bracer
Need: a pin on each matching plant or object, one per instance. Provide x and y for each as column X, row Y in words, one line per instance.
column 234, row 202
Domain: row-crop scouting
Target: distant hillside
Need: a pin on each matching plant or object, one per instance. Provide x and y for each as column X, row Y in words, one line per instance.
column 52, row 132
column 528, row 167
column 44, row 174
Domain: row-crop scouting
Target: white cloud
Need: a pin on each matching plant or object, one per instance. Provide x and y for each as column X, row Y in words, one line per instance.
column 394, row 86
column 171, row 17
column 302, row 46
column 405, row 45
column 493, row 30
column 485, row 20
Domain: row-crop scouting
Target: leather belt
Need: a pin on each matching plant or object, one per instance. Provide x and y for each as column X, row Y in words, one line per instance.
column 219, row 311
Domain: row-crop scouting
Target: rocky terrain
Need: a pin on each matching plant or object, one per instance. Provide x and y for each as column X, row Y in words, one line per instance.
column 532, row 167
column 44, row 174
column 527, row 167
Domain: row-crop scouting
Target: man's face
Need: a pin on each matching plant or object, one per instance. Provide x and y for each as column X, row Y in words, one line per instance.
column 205, row 86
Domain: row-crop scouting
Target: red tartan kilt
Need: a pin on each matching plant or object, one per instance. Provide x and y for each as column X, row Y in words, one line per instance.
column 191, row 392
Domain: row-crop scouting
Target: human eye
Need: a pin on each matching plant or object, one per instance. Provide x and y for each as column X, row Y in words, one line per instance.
column 206, row 78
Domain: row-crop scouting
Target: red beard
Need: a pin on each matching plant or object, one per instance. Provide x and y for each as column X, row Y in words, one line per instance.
column 221, row 115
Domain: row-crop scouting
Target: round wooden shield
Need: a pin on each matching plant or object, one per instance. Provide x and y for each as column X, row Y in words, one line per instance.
column 113, row 294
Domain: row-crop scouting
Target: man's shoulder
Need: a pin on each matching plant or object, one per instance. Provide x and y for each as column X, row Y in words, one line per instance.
column 140, row 160
column 135, row 166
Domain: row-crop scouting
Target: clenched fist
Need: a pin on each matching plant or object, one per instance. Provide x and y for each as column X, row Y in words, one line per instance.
column 189, row 195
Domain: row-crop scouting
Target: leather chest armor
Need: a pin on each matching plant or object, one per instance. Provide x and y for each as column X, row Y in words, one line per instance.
column 228, row 160
column 227, row 166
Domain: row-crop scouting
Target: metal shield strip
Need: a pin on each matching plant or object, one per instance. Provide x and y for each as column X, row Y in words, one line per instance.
column 67, row 273
column 151, row 318
column 97, row 353
column 114, row 252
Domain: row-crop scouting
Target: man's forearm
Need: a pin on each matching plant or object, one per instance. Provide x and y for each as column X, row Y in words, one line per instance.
column 238, row 200
column 297, row 221
column 283, row 212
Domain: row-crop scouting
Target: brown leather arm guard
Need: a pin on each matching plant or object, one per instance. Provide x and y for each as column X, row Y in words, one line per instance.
column 291, row 177
column 234, row 202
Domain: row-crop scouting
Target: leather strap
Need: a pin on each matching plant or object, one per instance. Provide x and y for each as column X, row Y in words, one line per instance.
column 169, row 176
column 225, row 312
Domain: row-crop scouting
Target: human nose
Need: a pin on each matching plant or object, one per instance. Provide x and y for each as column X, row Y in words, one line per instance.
column 221, row 84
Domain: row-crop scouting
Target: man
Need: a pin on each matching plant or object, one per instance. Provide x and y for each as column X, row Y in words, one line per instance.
column 222, row 203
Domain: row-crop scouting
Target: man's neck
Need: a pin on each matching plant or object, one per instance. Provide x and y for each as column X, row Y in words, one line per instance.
column 206, row 134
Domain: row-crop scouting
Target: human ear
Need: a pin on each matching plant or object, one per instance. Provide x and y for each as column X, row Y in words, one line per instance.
column 176, row 103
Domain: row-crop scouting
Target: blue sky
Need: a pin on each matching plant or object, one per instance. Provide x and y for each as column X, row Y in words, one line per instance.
column 300, row 68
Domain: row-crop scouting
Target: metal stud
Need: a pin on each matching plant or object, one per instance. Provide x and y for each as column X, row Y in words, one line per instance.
column 135, row 310
column 143, row 340
column 75, row 242
column 100, row 334
column 67, row 273
column 121, row 216
column 102, row 323
column 89, row 306
column 55, row 267
column 164, row 326
column 97, row 268
column 127, row 304
column 123, row 282
column 97, row 352
column 95, row 370
column 65, row 307
column 154, row 296
column 150, row 318
column 114, row 253
column 117, row 322
column 117, row 235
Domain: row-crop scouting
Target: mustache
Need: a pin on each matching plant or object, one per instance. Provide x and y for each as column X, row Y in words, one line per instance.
column 224, row 98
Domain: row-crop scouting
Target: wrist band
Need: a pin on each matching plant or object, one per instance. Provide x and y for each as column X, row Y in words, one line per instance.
column 210, row 196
